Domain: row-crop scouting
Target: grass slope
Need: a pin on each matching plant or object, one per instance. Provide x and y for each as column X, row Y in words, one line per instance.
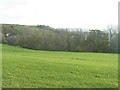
column 24, row 68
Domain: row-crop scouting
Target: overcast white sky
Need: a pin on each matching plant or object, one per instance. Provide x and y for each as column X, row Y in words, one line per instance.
column 60, row 13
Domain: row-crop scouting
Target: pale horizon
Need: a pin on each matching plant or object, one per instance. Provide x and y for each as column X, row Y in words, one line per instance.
column 94, row 14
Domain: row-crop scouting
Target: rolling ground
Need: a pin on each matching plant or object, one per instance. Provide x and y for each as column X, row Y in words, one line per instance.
column 24, row 68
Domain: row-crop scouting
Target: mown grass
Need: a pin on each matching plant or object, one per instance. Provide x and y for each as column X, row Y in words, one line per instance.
column 24, row 68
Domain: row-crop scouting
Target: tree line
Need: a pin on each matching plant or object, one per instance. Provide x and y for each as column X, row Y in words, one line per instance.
column 43, row 37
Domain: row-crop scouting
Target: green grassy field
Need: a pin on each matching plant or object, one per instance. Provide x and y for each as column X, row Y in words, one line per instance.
column 24, row 68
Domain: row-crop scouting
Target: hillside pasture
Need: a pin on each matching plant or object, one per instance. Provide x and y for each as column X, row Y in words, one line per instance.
column 25, row 68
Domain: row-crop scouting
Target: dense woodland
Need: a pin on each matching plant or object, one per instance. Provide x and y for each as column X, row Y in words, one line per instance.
column 43, row 37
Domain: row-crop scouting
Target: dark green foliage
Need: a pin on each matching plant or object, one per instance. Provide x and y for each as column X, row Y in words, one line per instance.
column 97, row 41
column 43, row 37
